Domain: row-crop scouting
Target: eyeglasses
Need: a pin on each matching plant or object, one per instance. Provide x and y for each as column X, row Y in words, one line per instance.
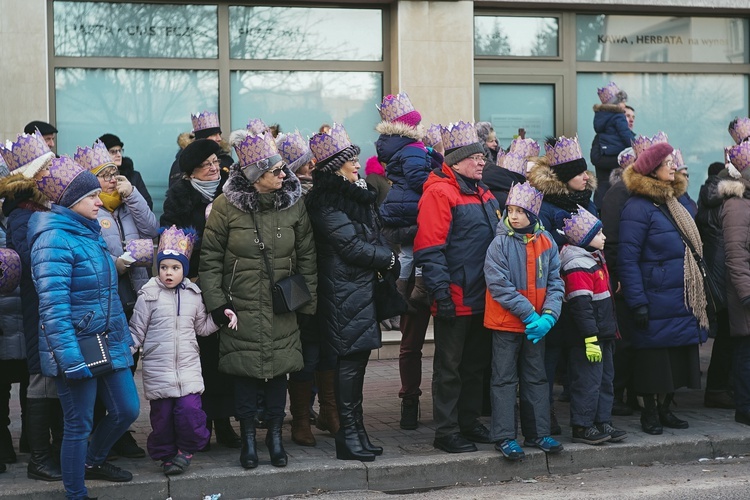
column 210, row 163
column 478, row 158
column 276, row 172
column 109, row 175
column 116, row 151
column 355, row 159
column 670, row 163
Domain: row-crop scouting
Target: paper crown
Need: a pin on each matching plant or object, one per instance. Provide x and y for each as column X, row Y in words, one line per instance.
column 432, row 137
column 520, row 150
column 565, row 150
column 327, row 144
column 739, row 129
column 62, row 171
column 524, row 195
column 142, row 250
column 739, row 155
column 27, row 155
column 93, row 158
column 679, row 163
column 10, row 270
column 394, row 106
column 626, row 157
column 177, row 241
column 292, row 147
column 256, row 126
column 608, row 93
column 643, row 142
column 204, row 120
column 582, row 227
column 458, row 134
column 254, row 148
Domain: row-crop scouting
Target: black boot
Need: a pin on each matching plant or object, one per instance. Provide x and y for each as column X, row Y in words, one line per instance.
column 42, row 465
column 667, row 418
column 127, row 447
column 225, row 434
column 56, row 426
column 7, row 452
column 348, row 444
column 248, row 453
column 273, row 442
column 409, row 413
column 650, row 416
column 359, row 413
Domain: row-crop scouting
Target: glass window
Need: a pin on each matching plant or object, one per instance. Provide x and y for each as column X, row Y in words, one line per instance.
column 662, row 39
column 510, row 107
column 104, row 29
column 515, row 36
column 306, row 99
column 146, row 109
column 301, row 33
column 693, row 110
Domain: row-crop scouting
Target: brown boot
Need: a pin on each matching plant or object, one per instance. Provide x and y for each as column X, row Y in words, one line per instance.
column 328, row 418
column 420, row 296
column 299, row 406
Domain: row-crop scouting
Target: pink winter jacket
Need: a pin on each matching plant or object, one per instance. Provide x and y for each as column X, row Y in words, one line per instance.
column 165, row 322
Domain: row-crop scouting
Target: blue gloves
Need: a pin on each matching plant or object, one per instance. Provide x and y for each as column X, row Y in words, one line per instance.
column 531, row 318
column 79, row 372
column 536, row 330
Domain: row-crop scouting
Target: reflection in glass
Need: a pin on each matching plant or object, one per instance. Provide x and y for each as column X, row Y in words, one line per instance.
column 662, row 39
column 510, row 107
column 104, row 29
column 301, row 33
column 307, row 99
column 694, row 111
column 147, row 109
column 515, row 36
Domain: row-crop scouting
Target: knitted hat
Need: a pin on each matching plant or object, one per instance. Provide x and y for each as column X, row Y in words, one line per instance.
column 256, row 153
column 205, row 124
column 650, row 159
column 565, row 157
column 27, row 155
column 196, row 153
column 398, row 108
column 373, row 166
column 177, row 244
column 739, row 129
column 67, row 182
column 44, row 128
column 611, row 94
column 581, row 227
column 524, row 195
column 626, row 157
column 94, row 159
column 111, row 140
column 460, row 141
column 294, row 149
column 332, row 149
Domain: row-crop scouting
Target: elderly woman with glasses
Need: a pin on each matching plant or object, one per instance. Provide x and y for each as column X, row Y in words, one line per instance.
column 258, row 226
column 124, row 164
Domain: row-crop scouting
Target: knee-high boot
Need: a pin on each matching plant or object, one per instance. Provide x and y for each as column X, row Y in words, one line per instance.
column 299, row 406
column 328, row 418
column 42, row 465
column 359, row 412
column 273, row 442
column 348, row 444
column 248, row 453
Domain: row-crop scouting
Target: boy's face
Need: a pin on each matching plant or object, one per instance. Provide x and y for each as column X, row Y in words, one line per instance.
column 170, row 272
column 598, row 241
column 517, row 217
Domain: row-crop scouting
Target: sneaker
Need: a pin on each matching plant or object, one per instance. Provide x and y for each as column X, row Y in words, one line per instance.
column 589, row 435
column 170, row 468
column 547, row 444
column 107, row 472
column 510, row 449
column 182, row 459
column 615, row 435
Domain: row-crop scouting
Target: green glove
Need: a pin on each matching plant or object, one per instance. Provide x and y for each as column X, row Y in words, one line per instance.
column 593, row 351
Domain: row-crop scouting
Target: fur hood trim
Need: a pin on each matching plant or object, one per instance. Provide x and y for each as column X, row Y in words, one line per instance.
column 396, row 128
column 17, row 186
column 654, row 189
column 184, row 139
column 615, row 176
column 544, row 179
column 243, row 195
column 733, row 188
column 610, row 108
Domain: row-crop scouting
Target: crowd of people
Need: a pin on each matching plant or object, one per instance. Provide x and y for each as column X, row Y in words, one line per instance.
column 276, row 273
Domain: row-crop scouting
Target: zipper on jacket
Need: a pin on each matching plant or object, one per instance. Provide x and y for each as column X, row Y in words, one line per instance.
column 231, row 279
column 176, row 340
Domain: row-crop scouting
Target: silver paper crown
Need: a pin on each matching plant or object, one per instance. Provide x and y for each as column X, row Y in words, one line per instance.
column 608, row 93
column 395, row 106
column 177, row 240
column 524, row 195
column 27, row 155
column 626, row 157
column 739, row 155
column 580, row 226
column 204, row 120
column 294, row 148
column 256, row 126
column 740, row 130
column 326, row 144
column 458, row 134
column 62, row 171
column 254, row 148
column 643, row 142
column 520, row 150
column 432, row 136
column 93, row 158
column 565, row 150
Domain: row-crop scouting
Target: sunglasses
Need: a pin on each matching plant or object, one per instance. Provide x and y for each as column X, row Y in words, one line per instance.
column 276, row 172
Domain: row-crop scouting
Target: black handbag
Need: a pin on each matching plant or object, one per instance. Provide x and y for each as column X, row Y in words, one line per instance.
column 388, row 302
column 94, row 349
column 288, row 294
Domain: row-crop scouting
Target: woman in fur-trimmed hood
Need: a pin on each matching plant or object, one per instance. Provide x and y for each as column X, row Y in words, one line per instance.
column 662, row 284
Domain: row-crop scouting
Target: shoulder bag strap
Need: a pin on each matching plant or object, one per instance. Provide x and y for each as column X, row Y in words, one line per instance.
column 262, row 248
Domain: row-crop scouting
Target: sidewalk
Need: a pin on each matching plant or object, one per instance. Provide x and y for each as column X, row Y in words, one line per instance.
column 409, row 461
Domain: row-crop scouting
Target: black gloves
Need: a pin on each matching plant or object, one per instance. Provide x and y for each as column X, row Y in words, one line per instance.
column 446, row 310
column 640, row 317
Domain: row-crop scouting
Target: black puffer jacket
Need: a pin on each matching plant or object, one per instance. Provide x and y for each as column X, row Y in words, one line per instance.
column 128, row 170
column 499, row 180
column 350, row 252
column 709, row 225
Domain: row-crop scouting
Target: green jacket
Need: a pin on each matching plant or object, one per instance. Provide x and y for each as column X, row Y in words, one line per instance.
column 233, row 272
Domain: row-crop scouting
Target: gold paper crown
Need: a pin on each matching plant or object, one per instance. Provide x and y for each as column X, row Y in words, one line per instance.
column 520, row 150
column 394, row 106
column 62, row 171
column 254, row 148
column 204, row 120
column 458, row 134
column 739, row 155
column 565, row 150
column 643, row 142
column 326, row 144
column 608, row 93
column 27, row 155
column 177, row 240
column 256, row 126
column 739, row 129
column 579, row 228
column 93, row 159
column 524, row 195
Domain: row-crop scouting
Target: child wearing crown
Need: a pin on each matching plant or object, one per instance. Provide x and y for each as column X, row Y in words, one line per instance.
column 589, row 306
column 168, row 314
column 523, row 300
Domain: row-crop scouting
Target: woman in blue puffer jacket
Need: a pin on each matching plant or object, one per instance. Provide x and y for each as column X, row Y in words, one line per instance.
column 77, row 285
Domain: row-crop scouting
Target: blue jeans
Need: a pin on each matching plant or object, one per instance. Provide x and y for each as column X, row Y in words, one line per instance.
column 117, row 391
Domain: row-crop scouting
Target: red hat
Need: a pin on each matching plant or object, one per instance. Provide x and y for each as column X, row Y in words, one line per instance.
column 650, row 159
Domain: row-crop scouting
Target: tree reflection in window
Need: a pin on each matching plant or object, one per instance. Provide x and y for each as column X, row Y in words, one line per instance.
column 516, row 36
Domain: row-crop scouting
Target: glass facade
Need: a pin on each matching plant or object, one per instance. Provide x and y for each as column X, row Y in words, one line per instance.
column 516, row 36
column 510, row 107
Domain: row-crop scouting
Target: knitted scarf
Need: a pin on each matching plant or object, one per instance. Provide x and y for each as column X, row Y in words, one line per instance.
column 694, row 291
column 570, row 201
column 111, row 201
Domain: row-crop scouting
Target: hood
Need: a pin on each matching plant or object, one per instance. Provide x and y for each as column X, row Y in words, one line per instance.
column 709, row 195
column 388, row 145
column 730, row 187
column 615, row 176
column 396, row 128
column 64, row 219
column 184, row 139
column 576, row 257
column 241, row 193
column 605, row 113
column 608, row 108
column 544, row 179
column 654, row 189
column 16, row 189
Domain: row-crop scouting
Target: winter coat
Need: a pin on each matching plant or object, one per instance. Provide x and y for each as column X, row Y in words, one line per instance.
column 589, row 300
column 165, row 322
column 611, row 127
column 77, row 285
column 233, row 273
column 185, row 207
column 224, row 157
column 523, row 276
column 552, row 215
column 499, row 180
column 128, row 170
column 132, row 220
column 350, row 254
column 12, row 339
column 650, row 264
column 612, row 206
column 456, row 225
column 708, row 221
column 735, row 223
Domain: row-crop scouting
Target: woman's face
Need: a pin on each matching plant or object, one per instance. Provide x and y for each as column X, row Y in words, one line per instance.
column 208, row 170
column 666, row 169
column 491, row 141
column 305, row 169
column 107, row 180
column 271, row 180
column 579, row 182
column 116, row 153
column 349, row 170
column 89, row 206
